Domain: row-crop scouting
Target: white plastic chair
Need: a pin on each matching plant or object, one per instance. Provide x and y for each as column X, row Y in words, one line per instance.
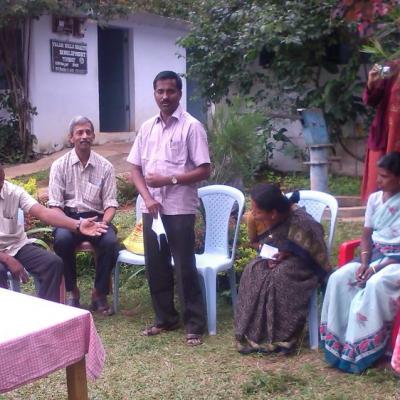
column 315, row 204
column 218, row 202
column 127, row 257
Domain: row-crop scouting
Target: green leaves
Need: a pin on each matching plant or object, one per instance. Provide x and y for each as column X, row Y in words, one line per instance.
column 225, row 40
column 315, row 58
column 237, row 142
column 16, row 11
column 376, row 49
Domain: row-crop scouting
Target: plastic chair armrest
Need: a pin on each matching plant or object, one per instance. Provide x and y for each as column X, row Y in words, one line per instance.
column 346, row 251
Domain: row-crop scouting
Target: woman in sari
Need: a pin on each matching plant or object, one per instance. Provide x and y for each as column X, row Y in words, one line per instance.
column 362, row 297
column 274, row 294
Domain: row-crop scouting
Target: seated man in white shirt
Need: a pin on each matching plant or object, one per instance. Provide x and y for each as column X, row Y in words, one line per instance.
column 18, row 255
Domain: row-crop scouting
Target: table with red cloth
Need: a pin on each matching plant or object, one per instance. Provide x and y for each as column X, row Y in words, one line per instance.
column 38, row 337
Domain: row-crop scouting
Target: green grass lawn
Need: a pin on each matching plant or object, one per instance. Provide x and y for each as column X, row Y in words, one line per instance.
column 163, row 367
column 337, row 184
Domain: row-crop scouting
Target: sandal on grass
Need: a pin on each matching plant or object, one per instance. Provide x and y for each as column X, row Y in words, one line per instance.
column 243, row 347
column 157, row 329
column 193, row 339
column 101, row 306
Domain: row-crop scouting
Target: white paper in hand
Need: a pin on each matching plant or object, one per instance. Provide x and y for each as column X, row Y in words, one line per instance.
column 268, row 251
column 158, row 229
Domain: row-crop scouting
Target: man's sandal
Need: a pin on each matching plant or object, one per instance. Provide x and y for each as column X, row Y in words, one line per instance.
column 156, row 330
column 243, row 347
column 193, row 339
column 101, row 306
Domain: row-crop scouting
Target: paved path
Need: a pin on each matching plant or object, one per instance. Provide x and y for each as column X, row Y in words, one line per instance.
column 116, row 153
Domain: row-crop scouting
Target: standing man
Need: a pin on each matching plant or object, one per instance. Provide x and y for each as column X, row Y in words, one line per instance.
column 169, row 156
column 82, row 184
column 17, row 253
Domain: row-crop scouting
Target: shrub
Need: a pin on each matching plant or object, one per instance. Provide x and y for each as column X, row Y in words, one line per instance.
column 9, row 138
column 126, row 191
column 244, row 252
column 30, row 185
column 14, row 123
column 237, row 143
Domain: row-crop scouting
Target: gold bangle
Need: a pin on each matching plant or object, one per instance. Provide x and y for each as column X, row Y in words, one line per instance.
column 373, row 269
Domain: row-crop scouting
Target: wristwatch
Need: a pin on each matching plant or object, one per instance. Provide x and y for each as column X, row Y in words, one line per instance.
column 174, row 180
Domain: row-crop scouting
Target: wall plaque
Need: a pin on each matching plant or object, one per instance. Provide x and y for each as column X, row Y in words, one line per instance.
column 68, row 57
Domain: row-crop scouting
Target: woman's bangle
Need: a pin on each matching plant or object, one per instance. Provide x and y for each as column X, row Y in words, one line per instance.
column 373, row 269
column 365, row 252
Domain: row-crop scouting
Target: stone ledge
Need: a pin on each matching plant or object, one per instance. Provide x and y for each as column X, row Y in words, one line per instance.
column 348, row 201
column 351, row 212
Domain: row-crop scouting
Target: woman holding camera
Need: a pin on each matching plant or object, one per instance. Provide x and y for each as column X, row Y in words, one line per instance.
column 383, row 93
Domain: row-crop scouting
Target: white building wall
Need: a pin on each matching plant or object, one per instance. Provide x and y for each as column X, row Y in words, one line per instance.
column 153, row 48
column 60, row 96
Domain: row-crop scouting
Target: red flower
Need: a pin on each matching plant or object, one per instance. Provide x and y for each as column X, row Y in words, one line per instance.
column 361, row 317
column 364, row 345
column 378, row 339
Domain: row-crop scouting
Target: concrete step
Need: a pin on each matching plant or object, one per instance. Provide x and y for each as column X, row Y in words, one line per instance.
column 347, row 213
column 352, row 219
column 351, row 212
column 350, row 208
column 348, row 201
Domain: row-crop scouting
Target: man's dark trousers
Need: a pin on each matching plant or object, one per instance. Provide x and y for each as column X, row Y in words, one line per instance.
column 44, row 265
column 106, row 247
column 160, row 274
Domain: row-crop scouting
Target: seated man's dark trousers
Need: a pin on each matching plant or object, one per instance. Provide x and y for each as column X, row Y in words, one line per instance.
column 106, row 247
column 44, row 265
column 160, row 273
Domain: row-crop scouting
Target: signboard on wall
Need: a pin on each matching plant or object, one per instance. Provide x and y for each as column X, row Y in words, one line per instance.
column 68, row 57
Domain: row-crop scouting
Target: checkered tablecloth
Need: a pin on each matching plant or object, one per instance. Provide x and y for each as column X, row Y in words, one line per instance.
column 38, row 337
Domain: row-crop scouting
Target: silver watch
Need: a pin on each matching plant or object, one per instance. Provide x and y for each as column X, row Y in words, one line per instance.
column 174, row 180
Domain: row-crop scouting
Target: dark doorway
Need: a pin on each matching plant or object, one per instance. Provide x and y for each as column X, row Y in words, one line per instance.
column 195, row 104
column 113, row 80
